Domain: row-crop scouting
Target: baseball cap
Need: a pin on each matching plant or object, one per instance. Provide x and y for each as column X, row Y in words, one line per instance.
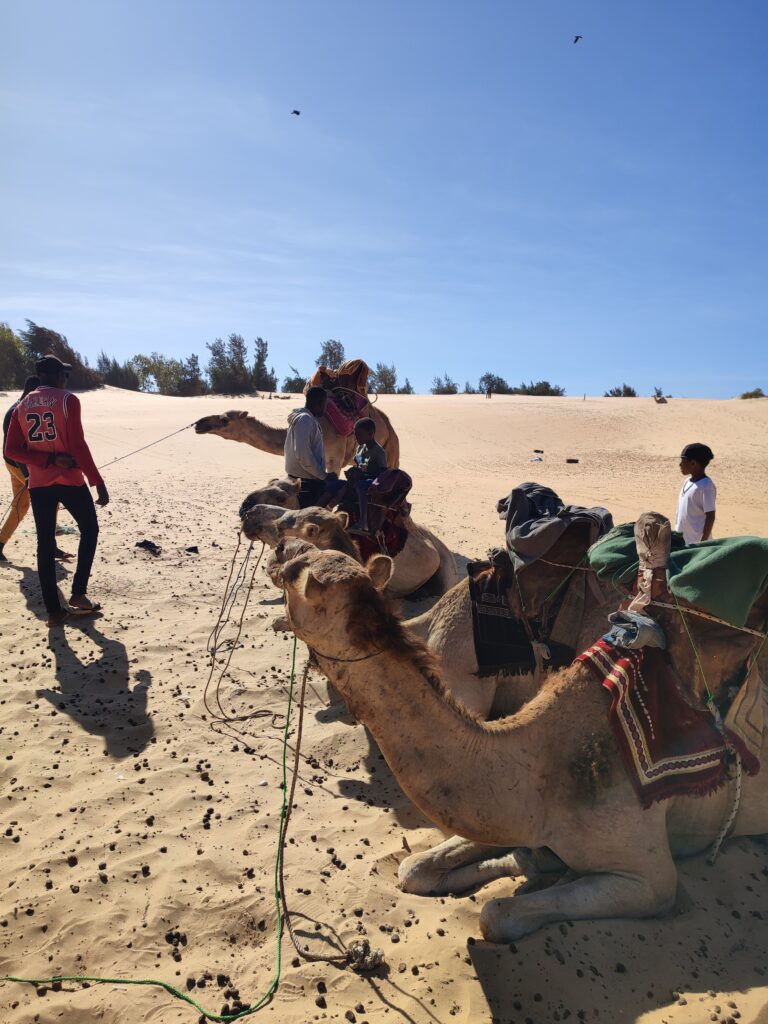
column 52, row 364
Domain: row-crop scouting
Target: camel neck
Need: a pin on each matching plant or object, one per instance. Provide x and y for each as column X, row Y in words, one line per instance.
column 260, row 435
column 476, row 779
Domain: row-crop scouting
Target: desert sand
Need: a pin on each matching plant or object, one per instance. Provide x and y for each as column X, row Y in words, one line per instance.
column 138, row 835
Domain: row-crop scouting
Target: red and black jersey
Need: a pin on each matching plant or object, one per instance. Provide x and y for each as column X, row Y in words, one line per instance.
column 47, row 422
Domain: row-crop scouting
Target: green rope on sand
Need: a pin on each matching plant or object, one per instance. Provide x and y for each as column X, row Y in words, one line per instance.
column 218, row 1018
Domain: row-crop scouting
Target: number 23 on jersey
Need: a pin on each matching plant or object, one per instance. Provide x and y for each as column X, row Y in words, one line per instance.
column 41, row 427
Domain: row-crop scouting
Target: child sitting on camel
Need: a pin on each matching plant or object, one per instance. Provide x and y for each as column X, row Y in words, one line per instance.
column 370, row 460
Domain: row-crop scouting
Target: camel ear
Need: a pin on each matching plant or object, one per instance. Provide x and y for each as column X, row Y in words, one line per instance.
column 343, row 518
column 379, row 568
column 312, row 530
column 313, row 591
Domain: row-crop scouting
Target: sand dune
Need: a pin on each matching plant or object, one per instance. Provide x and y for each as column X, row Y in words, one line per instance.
column 138, row 835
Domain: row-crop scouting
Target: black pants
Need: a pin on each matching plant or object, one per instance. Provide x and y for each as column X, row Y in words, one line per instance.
column 79, row 503
column 310, row 492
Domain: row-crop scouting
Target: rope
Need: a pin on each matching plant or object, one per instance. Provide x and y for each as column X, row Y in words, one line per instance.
column 218, row 1018
column 144, row 448
column 711, row 618
column 108, row 464
column 312, row 957
column 231, row 592
column 565, row 579
column 731, row 817
column 710, row 702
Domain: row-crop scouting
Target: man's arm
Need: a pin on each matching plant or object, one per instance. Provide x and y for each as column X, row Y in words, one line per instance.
column 80, row 450
column 78, row 447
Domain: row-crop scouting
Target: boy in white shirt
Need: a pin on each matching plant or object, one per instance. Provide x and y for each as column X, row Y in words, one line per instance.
column 696, row 504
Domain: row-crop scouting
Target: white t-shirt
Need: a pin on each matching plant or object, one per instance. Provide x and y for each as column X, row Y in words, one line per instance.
column 697, row 497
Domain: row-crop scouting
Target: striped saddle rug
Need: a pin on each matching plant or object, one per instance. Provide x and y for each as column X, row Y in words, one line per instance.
column 669, row 747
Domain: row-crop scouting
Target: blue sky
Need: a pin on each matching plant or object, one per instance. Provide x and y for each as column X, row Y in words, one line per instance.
column 464, row 191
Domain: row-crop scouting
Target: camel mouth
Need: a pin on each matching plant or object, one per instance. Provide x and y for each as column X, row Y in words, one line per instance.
column 259, row 522
column 202, row 426
column 247, row 504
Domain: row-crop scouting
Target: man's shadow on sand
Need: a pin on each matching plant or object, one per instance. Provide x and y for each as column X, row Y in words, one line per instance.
column 96, row 694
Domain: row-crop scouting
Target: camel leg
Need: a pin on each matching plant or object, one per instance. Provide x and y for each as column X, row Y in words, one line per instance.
column 456, row 865
column 588, row 897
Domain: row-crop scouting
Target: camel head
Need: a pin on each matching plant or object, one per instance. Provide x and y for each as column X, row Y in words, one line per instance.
column 259, row 522
column 278, row 493
column 325, row 529
column 334, row 604
column 218, row 424
column 285, row 551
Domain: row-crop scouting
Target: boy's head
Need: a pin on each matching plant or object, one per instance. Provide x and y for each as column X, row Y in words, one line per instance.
column 30, row 384
column 365, row 430
column 52, row 371
column 316, row 401
column 695, row 458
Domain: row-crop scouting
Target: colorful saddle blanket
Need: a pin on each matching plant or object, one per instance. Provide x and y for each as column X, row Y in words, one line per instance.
column 669, row 748
column 343, row 411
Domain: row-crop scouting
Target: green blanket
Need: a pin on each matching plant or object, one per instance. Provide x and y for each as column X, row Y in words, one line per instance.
column 724, row 577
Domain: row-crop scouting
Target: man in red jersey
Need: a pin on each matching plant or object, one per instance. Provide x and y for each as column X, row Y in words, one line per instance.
column 46, row 434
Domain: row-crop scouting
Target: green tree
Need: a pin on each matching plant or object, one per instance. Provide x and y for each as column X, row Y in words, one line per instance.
column 39, row 341
column 263, row 379
column 118, row 375
column 331, row 354
column 191, row 381
column 755, row 393
column 625, row 391
column 444, row 386
column 158, row 374
column 294, row 385
column 493, row 382
column 227, row 369
column 15, row 366
column 406, row 389
column 541, row 388
column 383, row 380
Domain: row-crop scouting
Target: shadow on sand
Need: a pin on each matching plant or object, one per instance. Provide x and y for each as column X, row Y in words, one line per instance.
column 96, row 693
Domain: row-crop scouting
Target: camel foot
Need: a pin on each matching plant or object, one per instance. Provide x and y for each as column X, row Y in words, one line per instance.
column 588, row 897
column 455, row 866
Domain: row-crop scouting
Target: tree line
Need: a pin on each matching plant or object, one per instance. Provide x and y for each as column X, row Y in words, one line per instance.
column 233, row 368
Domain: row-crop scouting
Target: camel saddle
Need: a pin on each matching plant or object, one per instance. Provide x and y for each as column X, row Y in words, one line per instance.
column 347, row 390
column 387, row 510
column 511, row 638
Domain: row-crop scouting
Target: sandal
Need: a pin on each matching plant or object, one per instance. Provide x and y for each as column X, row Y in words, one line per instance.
column 87, row 608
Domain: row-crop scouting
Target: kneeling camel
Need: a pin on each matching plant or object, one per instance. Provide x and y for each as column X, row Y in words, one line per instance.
column 507, row 783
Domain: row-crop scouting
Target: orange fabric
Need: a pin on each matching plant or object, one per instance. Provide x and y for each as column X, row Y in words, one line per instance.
column 352, row 375
column 19, row 505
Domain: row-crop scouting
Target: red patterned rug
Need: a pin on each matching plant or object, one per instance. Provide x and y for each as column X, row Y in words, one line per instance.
column 668, row 747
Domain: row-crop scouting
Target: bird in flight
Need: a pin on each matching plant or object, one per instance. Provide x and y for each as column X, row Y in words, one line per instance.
column 298, row 112
column 577, row 38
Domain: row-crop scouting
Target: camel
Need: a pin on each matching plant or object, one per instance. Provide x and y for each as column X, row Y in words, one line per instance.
column 423, row 560
column 447, row 628
column 519, row 782
column 339, row 451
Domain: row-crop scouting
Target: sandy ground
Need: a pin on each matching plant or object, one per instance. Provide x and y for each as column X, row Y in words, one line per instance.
column 138, row 836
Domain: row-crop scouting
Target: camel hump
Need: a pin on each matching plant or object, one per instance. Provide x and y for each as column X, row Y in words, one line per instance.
column 653, row 539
